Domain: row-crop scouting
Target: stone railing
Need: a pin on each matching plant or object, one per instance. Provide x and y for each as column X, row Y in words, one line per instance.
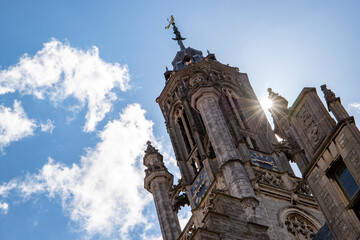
column 188, row 231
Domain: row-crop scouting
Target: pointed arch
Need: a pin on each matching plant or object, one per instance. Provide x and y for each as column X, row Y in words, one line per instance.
column 299, row 223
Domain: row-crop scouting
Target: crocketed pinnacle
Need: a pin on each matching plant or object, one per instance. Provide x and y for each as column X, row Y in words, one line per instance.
column 329, row 95
column 150, row 149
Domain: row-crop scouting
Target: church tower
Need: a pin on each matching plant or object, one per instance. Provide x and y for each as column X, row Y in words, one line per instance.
column 239, row 186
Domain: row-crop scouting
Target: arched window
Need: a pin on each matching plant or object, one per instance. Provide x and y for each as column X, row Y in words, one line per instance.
column 183, row 123
column 232, row 101
column 299, row 224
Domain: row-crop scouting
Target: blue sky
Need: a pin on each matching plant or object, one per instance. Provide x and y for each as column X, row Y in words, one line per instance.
column 78, row 83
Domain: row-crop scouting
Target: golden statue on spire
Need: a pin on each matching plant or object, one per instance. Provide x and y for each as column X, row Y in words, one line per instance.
column 178, row 36
column 171, row 21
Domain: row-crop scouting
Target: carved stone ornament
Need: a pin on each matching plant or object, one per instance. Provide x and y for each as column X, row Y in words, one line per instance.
column 178, row 196
column 249, row 205
column 150, row 149
column 225, row 77
column 310, row 126
column 329, row 95
column 269, row 178
column 179, row 111
column 288, row 146
column 303, row 188
column 198, row 78
column 209, row 205
column 283, row 147
column 299, row 227
column 189, row 231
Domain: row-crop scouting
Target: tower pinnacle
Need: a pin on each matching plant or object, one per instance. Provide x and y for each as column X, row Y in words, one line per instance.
column 178, row 36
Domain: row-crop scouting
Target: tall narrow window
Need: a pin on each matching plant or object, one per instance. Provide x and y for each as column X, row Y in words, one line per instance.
column 346, row 180
column 232, row 102
column 188, row 128
column 184, row 125
column 183, row 133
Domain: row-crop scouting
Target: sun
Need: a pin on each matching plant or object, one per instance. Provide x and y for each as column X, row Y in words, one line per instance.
column 266, row 103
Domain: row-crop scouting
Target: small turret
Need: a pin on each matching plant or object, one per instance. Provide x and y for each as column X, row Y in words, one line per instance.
column 158, row 181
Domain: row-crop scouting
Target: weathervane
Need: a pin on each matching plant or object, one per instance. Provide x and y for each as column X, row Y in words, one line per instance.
column 178, row 36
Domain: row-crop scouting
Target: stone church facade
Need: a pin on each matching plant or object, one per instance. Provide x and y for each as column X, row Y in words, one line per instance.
column 236, row 176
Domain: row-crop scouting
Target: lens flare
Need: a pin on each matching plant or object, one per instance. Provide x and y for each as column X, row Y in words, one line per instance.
column 266, row 103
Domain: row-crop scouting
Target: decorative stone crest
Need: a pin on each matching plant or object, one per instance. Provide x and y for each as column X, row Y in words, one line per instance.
column 310, row 126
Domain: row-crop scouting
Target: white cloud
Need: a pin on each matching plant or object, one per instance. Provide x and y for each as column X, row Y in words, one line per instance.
column 104, row 193
column 48, row 126
column 355, row 106
column 14, row 124
column 59, row 71
column 5, row 188
column 4, row 207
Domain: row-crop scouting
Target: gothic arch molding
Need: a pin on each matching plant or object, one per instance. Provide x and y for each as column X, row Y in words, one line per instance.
column 197, row 77
column 286, row 211
column 236, row 89
column 173, row 110
column 198, row 72
column 299, row 224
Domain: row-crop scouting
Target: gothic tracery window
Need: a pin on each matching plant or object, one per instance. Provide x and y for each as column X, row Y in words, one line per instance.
column 299, row 227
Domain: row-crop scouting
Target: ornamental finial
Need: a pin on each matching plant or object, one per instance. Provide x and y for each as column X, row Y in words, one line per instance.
column 329, row 95
column 178, row 36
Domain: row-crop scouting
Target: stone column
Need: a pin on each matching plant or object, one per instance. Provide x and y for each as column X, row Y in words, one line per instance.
column 158, row 181
column 206, row 101
column 169, row 222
